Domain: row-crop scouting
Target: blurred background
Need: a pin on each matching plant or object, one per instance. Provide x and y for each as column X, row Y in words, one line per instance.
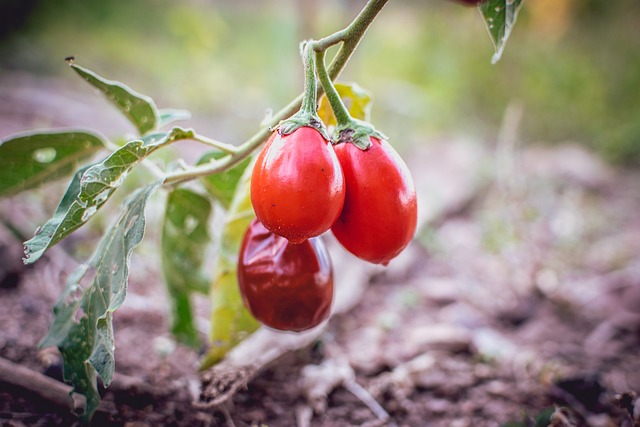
column 525, row 268
column 573, row 65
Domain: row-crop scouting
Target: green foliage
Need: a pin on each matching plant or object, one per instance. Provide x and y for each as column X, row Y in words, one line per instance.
column 82, row 327
column 184, row 244
column 500, row 17
column 92, row 187
column 138, row 108
column 32, row 159
column 230, row 320
column 542, row 419
column 222, row 186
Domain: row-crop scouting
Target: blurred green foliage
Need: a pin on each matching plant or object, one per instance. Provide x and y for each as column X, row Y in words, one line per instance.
column 573, row 64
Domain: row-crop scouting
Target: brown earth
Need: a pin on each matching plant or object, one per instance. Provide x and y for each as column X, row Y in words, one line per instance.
column 519, row 299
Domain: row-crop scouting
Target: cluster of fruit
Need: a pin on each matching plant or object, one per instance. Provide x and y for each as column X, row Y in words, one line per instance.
column 302, row 186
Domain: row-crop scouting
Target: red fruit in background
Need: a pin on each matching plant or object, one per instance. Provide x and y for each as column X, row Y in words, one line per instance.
column 379, row 215
column 297, row 186
column 285, row 286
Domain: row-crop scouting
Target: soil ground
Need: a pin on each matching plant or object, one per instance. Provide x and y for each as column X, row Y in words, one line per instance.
column 518, row 304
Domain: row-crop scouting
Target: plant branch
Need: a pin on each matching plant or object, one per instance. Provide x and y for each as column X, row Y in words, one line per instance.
column 309, row 101
column 222, row 146
column 44, row 387
column 349, row 37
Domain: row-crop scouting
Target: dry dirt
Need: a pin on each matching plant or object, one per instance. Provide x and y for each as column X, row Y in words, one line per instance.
column 517, row 303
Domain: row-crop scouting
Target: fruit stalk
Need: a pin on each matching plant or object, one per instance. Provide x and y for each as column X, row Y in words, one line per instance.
column 343, row 117
column 309, row 101
column 349, row 37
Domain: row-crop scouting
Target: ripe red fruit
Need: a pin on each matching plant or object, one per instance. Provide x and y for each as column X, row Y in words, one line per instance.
column 285, row 286
column 297, row 186
column 379, row 216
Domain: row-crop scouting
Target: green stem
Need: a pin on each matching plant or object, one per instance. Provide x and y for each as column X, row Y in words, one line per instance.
column 350, row 38
column 351, row 35
column 342, row 114
column 309, row 102
column 224, row 147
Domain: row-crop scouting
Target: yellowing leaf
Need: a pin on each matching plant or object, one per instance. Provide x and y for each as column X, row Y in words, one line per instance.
column 231, row 322
column 357, row 100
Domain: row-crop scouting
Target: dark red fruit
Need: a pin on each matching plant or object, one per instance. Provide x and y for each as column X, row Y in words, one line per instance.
column 379, row 216
column 297, row 186
column 285, row 286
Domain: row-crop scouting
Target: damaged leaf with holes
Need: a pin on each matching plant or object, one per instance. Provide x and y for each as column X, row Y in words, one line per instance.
column 92, row 187
column 32, row 159
column 82, row 328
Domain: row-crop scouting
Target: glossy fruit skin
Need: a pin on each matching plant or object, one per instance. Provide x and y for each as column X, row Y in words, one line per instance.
column 379, row 216
column 297, row 186
column 285, row 286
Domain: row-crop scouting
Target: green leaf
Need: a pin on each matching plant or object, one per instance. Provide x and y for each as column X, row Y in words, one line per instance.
column 169, row 115
column 222, row 186
column 231, row 322
column 500, row 17
column 82, row 328
column 543, row 418
column 357, row 100
column 184, row 243
column 92, row 187
column 30, row 159
column 139, row 109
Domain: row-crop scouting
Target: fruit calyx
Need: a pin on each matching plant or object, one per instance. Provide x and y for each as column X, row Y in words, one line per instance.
column 358, row 133
column 302, row 119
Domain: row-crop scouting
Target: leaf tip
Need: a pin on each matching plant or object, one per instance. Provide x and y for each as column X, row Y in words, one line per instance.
column 28, row 257
column 32, row 251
